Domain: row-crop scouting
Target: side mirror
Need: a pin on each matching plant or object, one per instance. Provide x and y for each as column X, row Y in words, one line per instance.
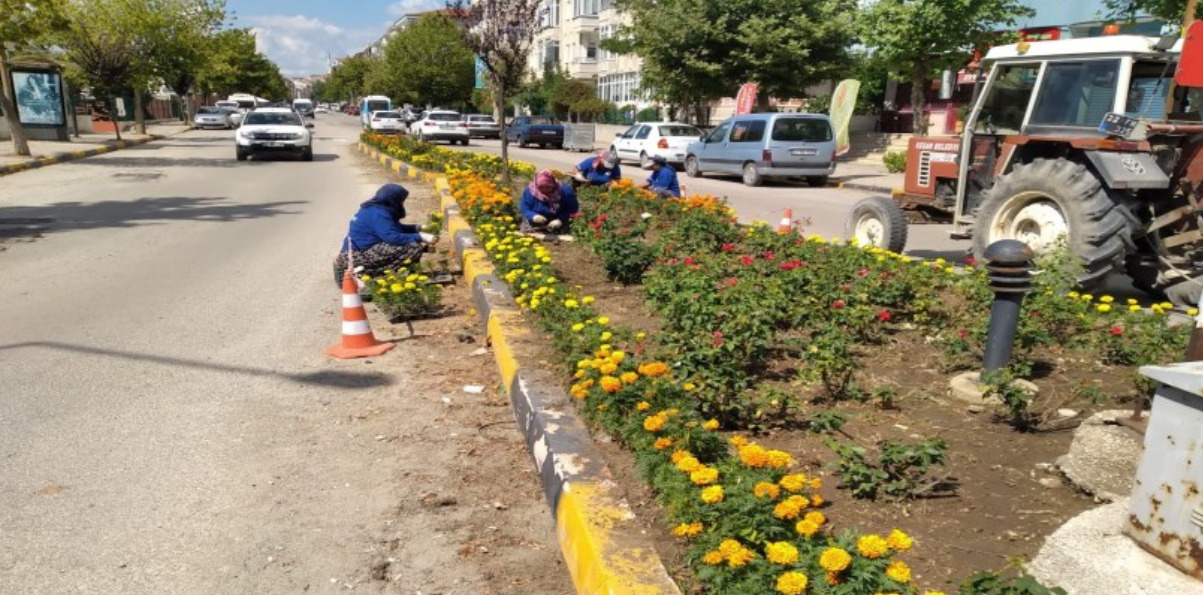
column 308, row 124
column 619, row 135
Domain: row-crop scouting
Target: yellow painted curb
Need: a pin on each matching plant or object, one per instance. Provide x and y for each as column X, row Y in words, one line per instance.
column 395, row 166
column 503, row 328
column 476, row 263
column 411, row 171
column 79, row 154
column 50, row 160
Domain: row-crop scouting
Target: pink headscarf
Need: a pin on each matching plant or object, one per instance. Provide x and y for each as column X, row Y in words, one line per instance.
column 546, row 189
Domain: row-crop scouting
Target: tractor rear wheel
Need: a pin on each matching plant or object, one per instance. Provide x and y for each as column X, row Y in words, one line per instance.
column 878, row 221
column 1041, row 202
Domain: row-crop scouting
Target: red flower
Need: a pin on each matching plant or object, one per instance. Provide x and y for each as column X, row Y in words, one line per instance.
column 1117, row 330
column 846, row 286
column 689, row 260
column 672, row 261
column 790, row 265
column 768, row 255
column 862, row 273
column 884, row 316
column 718, row 338
column 576, row 215
column 747, row 260
column 970, row 261
column 732, row 281
column 602, row 218
column 963, row 334
column 838, row 304
column 728, row 247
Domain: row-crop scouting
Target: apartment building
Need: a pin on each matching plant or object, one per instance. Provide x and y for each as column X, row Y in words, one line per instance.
column 570, row 34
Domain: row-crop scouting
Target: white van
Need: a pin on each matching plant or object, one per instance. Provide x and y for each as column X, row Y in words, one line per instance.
column 303, row 107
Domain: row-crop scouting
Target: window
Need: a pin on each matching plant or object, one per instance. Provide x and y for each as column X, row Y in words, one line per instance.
column 802, row 129
column 549, row 14
column 1146, row 92
column 1076, row 93
column 643, row 132
column 1008, row 99
column 681, row 131
column 719, row 134
column 620, row 88
column 751, row 131
column 587, row 7
column 444, row 117
column 273, row 118
column 538, row 120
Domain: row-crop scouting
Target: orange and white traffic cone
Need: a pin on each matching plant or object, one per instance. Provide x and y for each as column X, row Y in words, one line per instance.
column 358, row 340
column 787, row 222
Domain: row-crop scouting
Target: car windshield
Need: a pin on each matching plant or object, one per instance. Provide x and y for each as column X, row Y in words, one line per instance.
column 377, row 105
column 272, row 118
column 801, row 129
column 389, row 115
column 680, row 131
column 210, row 110
column 444, row 117
column 539, row 120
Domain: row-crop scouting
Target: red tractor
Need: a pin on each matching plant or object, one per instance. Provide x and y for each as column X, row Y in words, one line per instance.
column 1094, row 142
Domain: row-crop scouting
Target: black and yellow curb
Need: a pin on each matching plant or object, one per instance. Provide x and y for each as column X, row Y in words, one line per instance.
column 397, row 165
column 893, row 192
column 73, row 155
column 605, row 551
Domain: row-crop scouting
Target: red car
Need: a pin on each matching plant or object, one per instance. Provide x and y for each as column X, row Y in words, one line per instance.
column 353, row 110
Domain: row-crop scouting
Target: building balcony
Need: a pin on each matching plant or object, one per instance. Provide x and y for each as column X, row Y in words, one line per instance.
column 581, row 24
column 583, row 68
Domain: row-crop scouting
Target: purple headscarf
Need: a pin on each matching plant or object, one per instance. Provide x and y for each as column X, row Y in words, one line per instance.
column 546, row 189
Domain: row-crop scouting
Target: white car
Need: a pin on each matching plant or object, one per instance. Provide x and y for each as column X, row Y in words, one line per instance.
column 643, row 141
column 440, row 125
column 321, row 109
column 387, row 122
column 212, row 117
column 273, row 130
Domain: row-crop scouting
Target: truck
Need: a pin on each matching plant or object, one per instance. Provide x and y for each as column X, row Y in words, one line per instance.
column 1091, row 143
column 535, row 130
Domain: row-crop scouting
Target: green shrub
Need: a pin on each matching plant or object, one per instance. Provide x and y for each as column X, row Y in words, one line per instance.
column 895, row 162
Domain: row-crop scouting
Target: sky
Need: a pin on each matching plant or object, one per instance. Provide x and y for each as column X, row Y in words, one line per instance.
column 299, row 34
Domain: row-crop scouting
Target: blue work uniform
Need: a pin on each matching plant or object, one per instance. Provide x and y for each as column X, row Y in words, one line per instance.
column 665, row 179
column 599, row 176
column 531, row 206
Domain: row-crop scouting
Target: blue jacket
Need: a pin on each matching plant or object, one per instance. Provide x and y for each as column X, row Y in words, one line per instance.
column 665, row 178
column 378, row 220
column 599, row 177
column 531, row 206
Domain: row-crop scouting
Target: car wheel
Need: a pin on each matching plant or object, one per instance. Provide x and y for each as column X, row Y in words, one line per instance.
column 644, row 161
column 751, row 175
column 691, row 167
column 521, row 141
column 241, row 155
column 307, row 154
column 559, row 146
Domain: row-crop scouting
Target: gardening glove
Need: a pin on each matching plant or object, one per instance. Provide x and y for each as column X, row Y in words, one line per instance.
column 427, row 237
column 555, row 224
column 538, row 220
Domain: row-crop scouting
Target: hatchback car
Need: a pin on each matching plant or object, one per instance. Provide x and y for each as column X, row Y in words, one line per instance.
column 772, row 145
column 440, row 125
column 212, row 117
column 274, row 130
column 387, row 122
column 643, row 141
column 482, row 126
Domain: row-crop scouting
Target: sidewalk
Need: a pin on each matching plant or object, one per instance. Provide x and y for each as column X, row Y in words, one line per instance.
column 88, row 144
column 873, row 178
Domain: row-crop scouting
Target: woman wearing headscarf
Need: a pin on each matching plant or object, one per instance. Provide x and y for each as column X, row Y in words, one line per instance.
column 599, row 170
column 547, row 205
column 377, row 237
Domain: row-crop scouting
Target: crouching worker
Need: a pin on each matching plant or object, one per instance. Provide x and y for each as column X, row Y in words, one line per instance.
column 547, row 205
column 378, row 238
column 599, row 171
column 663, row 180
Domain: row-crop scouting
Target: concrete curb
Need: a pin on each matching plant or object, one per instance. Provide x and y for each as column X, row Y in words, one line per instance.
column 74, row 155
column 865, row 187
column 603, row 548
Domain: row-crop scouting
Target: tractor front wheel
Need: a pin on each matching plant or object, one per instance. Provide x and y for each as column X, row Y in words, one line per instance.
column 878, row 221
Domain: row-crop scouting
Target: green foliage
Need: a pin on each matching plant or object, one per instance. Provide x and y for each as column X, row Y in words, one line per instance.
column 819, row 104
column 990, row 583
column 348, row 80
column 625, row 259
column 235, row 66
column 1015, row 399
column 895, row 470
column 428, row 62
column 406, row 293
column 895, row 161
column 1170, row 10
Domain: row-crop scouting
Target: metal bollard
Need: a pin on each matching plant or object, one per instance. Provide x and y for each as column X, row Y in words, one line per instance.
column 1009, row 263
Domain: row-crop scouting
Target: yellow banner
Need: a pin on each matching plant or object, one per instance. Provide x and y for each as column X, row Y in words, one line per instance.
column 843, row 101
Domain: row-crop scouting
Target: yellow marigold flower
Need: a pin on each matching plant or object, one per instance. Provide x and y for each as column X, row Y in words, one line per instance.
column 834, row 559
column 713, row 558
column 1136, row 308
column 729, row 546
column 704, row 476
column 712, row 494
column 1104, row 307
column 687, row 529
column 578, row 327
column 792, row 583
column 1086, row 297
column 608, row 368
column 790, row 508
column 765, row 489
column 579, row 374
column 1192, row 311
column 781, row 552
column 653, row 369
column 606, row 336
column 711, row 425
column 653, row 423
column 587, row 300
column 1073, row 295
column 872, row 546
column 602, row 320
column 739, row 441
column 628, row 377
column 662, row 443
column 816, row 500
column 806, row 528
column 689, row 386
column 1132, row 302
column 571, row 304
column 678, row 455
column 779, row 459
column 795, row 482
column 741, row 558
column 642, row 406
column 1106, row 299
column 816, row 517
column 754, row 455
column 585, row 363
column 899, row 541
column 639, row 336
column 618, row 356
column 899, row 571
column 395, row 288
column 610, row 384
column 688, row 464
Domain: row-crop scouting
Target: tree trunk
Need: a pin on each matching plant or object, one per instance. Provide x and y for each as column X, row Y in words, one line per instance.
column 499, row 105
column 8, row 102
column 139, row 116
column 918, row 105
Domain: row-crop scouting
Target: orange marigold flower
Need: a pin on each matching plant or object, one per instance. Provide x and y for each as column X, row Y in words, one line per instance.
column 806, row 528
column 628, row 377
column 899, row 541
column 687, row 529
column 610, row 384
column 704, row 476
column 741, row 558
column 729, row 546
column 678, row 455
column 767, row 490
column 834, row 560
column 653, row 369
column 688, row 464
column 753, row 455
column 712, row 494
column 608, row 368
column 713, row 558
column 899, row 571
column 872, row 546
column 653, row 423
column 793, row 483
column 779, row 459
column 790, row 508
column 816, row 517
column 816, row 500
column 662, row 443
column 739, row 441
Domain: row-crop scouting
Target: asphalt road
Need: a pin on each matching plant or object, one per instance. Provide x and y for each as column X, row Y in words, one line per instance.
column 169, row 421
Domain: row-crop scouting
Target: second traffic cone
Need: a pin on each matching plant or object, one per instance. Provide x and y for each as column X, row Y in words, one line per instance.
column 358, row 340
column 787, row 222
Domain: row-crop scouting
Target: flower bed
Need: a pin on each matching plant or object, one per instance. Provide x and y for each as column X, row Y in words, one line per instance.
column 427, row 156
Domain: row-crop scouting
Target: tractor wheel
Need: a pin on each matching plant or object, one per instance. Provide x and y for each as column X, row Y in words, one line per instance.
column 1041, row 202
column 878, row 221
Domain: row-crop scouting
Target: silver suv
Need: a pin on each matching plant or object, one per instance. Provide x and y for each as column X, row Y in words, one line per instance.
column 759, row 146
column 274, row 130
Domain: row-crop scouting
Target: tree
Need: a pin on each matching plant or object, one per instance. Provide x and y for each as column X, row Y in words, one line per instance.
column 103, row 47
column 180, row 36
column 697, row 50
column 1170, row 10
column 235, row 66
column 348, row 80
column 919, row 38
column 429, row 63
column 22, row 22
column 500, row 33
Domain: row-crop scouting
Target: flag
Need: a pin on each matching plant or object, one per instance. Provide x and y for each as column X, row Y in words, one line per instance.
column 843, row 101
column 746, row 99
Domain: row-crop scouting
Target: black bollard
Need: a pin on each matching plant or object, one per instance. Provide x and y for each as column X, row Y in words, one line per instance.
column 1009, row 263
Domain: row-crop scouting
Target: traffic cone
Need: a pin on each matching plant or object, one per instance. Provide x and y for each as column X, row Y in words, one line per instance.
column 358, row 340
column 787, row 222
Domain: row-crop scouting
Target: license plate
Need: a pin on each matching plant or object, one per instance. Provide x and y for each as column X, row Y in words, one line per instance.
column 679, row 155
column 549, row 132
column 446, row 126
column 803, row 152
column 1117, row 125
column 273, row 144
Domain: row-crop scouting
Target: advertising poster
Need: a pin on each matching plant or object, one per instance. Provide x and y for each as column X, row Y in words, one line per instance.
column 843, row 102
column 39, row 98
column 746, row 100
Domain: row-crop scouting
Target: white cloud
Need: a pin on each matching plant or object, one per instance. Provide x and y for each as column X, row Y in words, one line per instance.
column 405, row 7
column 300, row 45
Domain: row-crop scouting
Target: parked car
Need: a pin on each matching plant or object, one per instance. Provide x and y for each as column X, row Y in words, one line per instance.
column 212, row 117
column 482, row 126
column 770, row 145
column 643, row 141
column 386, row 122
column 353, row 110
column 274, row 130
column 535, row 130
column 236, row 116
column 440, row 125
column 321, row 109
